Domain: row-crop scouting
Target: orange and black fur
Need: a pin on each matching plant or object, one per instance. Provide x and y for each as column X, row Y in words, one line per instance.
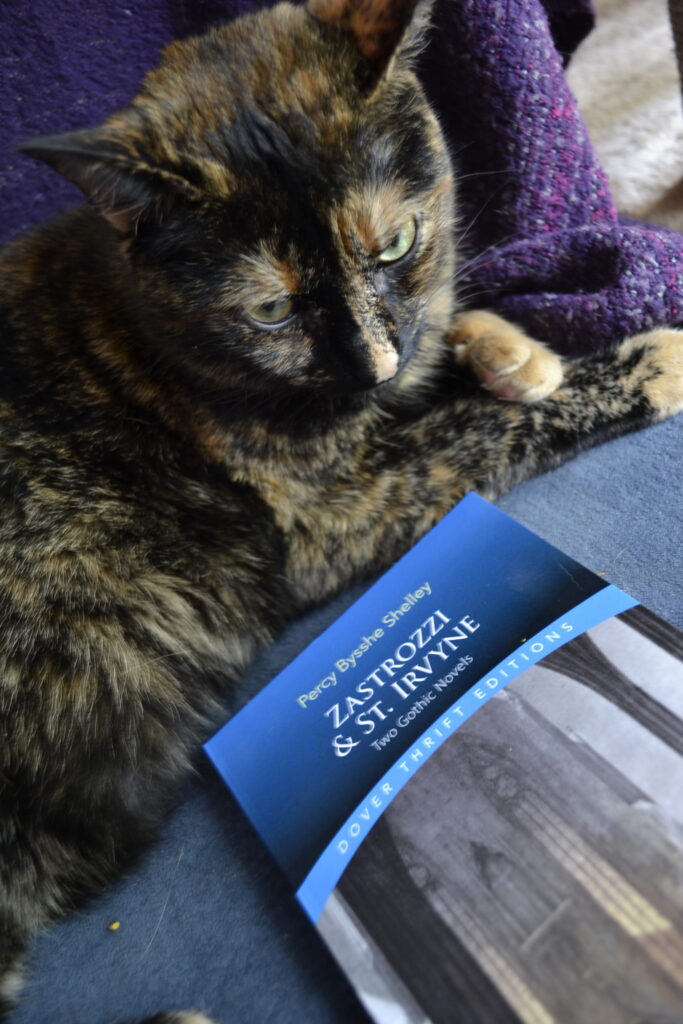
column 232, row 384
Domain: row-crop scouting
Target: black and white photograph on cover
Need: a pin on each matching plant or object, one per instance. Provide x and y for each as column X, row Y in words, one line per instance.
column 532, row 869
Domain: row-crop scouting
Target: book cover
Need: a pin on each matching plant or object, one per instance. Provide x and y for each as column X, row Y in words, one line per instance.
column 474, row 781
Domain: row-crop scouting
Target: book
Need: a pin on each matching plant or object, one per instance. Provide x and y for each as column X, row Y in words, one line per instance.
column 474, row 781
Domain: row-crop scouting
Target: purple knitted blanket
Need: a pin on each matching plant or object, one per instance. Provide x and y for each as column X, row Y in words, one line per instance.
column 543, row 243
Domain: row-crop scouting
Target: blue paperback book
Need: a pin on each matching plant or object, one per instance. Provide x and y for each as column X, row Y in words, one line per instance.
column 474, row 781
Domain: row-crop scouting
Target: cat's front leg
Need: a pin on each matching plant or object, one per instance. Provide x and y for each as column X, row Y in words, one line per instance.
column 492, row 445
column 506, row 361
column 602, row 395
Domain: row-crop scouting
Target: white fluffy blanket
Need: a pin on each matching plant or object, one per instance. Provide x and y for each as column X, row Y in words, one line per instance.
column 625, row 78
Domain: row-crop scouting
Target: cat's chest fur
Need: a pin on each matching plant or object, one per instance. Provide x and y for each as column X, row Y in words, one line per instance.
column 334, row 496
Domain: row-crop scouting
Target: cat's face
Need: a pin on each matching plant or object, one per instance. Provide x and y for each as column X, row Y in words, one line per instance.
column 285, row 200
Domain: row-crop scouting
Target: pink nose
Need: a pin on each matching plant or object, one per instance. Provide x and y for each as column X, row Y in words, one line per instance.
column 386, row 365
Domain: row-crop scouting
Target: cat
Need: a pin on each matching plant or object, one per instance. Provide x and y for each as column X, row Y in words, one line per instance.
column 234, row 383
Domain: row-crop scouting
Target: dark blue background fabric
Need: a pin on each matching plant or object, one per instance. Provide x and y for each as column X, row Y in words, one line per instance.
column 207, row 921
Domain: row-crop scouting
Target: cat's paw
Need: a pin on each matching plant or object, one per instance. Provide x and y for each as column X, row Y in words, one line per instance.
column 656, row 361
column 508, row 363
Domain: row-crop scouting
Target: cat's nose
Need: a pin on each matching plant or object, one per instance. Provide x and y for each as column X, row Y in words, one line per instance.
column 386, row 364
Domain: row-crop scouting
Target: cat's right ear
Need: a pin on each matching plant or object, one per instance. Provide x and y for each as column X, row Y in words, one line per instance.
column 385, row 31
column 119, row 184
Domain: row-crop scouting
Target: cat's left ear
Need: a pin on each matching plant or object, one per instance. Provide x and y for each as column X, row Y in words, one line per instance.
column 386, row 31
column 119, row 184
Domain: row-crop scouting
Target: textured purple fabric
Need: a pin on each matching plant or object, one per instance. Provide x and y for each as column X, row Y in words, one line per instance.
column 537, row 215
column 537, row 221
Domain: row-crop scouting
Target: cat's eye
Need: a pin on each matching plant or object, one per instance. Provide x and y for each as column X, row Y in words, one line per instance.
column 401, row 244
column 273, row 313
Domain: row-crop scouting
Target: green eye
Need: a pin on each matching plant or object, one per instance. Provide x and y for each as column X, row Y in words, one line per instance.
column 271, row 312
column 401, row 243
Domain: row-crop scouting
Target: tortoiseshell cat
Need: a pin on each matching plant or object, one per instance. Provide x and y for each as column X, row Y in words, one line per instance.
column 229, row 388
